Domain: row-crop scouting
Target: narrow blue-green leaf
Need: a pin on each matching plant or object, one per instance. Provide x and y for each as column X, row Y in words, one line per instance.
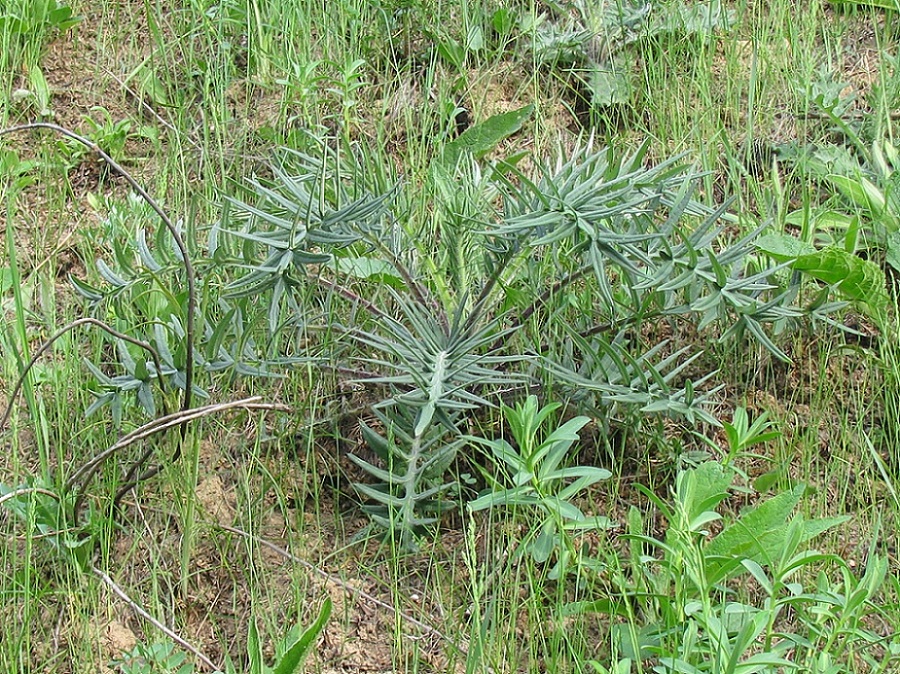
column 385, row 498
column 110, row 275
column 376, row 472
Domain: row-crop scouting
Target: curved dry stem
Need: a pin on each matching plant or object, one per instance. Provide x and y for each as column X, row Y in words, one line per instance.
column 545, row 296
column 62, row 331
column 353, row 297
column 137, row 608
column 84, row 474
column 24, row 491
column 134, row 476
column 170, row 226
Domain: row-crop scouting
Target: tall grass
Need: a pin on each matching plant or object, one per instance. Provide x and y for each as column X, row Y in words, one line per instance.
column 222, row 84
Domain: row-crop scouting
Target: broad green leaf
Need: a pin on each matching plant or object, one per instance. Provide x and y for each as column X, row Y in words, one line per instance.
column 557, row 445
column 480, row 139
column 851, row 238
column 758, row 533
column 41, row 90
column 857, row 279
column 766, row 481
column 369, row 268
column 11, row 25
column 862, row 192
column 825, row 220
column 597, row 522
column 608, row 85
column 151, row 85
column 591, row 472
column 783, row 248
column 893, row 250
column 697, row 19
column 700, row 521
column 703, row 488
column 254, row 648
column 475, row 38
column 62, row 18
column 544, row 544
column 504, row 21
column 452, row 51
column 519, row 496
column 292, row 659
column 562, row 509
column 6, row 280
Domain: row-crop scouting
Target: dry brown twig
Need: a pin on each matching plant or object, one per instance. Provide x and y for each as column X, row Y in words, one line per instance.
column 139, row 610
column 84, row 474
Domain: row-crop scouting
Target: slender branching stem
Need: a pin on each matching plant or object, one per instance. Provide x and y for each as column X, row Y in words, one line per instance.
column 353, row 297
column 545, row 296
column 487, row 288
column 420, row 292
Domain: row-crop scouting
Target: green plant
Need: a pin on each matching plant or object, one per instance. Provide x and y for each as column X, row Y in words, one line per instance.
column 17, row 171
column 160, row 657
column 36, row 95
column 551, row 274
column 46, row 515
column 107, row 133
column 863, row 215
column 741, row 435
column 300, row 84
column 194, row 69
column 612, row 235
column 543, row 485
column 478, row 140
column 29, row 24
column 859, row 280
column 593, row 41
column 457, row 53
column 678, row 609
column 345, row 84
column 290, row 653
column 873, row 4
column 28, row 18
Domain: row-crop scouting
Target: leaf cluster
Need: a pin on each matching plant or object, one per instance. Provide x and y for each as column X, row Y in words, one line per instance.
column 675, row 591
column 594, row 42
column 541, row 482
column 290, row 653
column 545, row 280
